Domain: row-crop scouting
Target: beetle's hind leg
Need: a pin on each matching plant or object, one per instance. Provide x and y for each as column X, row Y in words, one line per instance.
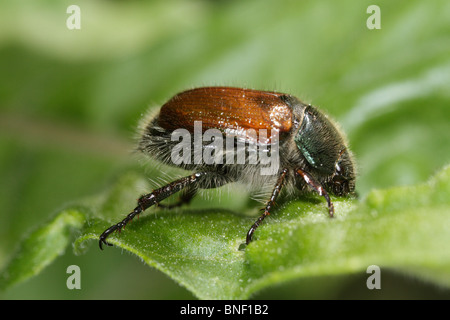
column 186, row 196
column 154, row 198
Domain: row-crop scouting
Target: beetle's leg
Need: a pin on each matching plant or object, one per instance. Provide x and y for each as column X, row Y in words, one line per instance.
column 185, row 198
column 270, row 203
column 310, row 181
column 151, row 199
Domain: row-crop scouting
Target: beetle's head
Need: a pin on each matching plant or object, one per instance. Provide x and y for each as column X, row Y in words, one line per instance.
column 342, row 181
column 323, row 146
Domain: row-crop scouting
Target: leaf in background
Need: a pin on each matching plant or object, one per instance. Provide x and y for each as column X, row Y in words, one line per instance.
column 387, row 87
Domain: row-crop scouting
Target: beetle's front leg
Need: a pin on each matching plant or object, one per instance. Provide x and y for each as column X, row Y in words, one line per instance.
column 310, row 181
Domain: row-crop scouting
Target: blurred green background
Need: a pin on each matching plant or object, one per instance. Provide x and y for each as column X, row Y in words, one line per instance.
column 70, row 101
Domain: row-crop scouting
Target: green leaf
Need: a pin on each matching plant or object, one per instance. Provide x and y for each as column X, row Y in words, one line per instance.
column 41, row 247
column 401, row 228
column 70, row 100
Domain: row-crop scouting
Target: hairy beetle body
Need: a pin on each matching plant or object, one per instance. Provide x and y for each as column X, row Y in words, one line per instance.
column 310, row 152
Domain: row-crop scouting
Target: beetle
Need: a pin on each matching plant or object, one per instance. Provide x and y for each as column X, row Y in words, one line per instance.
column 312, row 152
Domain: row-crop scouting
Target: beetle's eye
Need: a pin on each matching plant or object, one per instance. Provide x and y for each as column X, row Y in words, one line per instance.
column 339, row 173
column 343, row 168
column 337, row 168
column 342, row 181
